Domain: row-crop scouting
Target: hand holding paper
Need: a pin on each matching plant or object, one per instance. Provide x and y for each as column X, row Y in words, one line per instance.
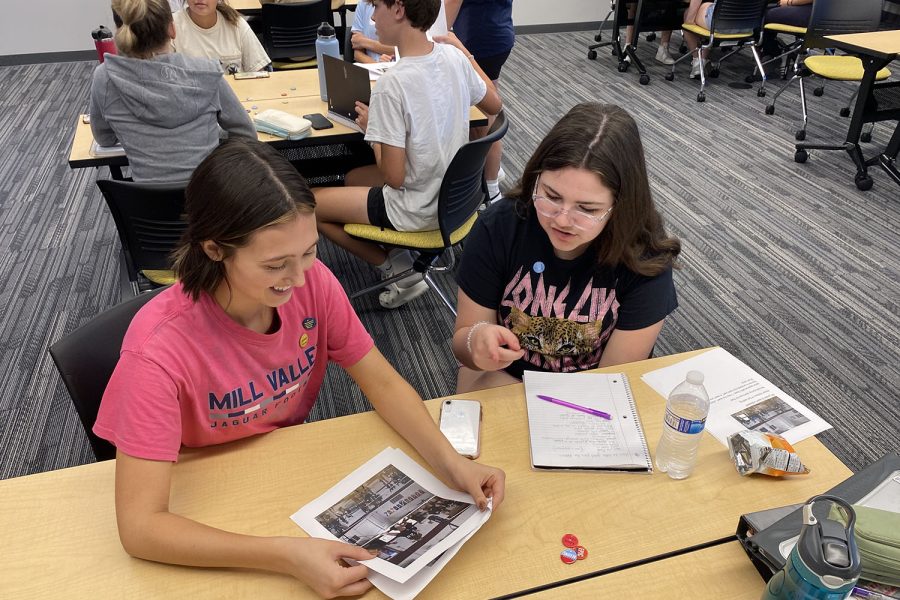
column 478, row 480
column 316, row 563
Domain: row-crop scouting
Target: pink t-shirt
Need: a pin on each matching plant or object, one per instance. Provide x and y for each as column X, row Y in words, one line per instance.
column 189, row 375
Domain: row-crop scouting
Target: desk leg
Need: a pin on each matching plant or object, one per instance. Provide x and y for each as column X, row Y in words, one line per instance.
column 887, row 160
column 871, row 66
column 116, row 172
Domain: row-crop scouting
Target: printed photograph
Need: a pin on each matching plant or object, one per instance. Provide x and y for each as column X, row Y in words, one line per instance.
column 772, row 415
column 394, row 518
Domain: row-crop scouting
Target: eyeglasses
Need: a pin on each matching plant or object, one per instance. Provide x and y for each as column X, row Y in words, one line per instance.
column 553, row 208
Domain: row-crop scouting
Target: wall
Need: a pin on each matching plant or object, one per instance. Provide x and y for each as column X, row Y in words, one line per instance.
column 31, row 26
column 541, row 12
column 65, row 25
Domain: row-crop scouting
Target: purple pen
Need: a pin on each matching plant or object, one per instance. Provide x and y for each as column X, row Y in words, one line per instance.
column 584, row 409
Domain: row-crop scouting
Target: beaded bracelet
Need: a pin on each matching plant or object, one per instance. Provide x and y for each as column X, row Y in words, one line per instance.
column 471, row 331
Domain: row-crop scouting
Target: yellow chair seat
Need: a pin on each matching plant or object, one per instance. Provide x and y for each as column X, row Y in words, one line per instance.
column 841, row 68
column 160, row 277
column 423, row 240
column 704, row 32
column 782, row 28
column 299, row 63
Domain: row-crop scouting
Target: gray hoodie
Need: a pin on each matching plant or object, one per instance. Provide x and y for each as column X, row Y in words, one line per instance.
column 165, row 111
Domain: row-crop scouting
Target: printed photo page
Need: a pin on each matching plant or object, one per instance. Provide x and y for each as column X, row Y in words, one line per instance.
column 398, row 511
column 740, row 398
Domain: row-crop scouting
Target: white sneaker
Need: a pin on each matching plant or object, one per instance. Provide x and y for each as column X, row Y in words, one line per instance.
column 501, row 175
column 695, row 68
column 662, row 56
column 395, row 296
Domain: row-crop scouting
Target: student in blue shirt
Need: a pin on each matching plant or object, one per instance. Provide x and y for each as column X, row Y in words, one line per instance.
column 366, row 47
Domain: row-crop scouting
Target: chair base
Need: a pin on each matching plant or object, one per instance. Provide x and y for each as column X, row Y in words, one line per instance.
column 424, row 264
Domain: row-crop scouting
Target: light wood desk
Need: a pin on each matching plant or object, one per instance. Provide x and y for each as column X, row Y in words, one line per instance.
column 59, row 527
column 254, row 7
column 722, row 571
column 294, row 92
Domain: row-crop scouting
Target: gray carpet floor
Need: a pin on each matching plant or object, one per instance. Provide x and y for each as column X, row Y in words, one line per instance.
column 788, row 266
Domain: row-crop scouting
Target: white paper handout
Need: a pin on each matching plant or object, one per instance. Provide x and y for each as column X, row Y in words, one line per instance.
column 740, row 398
column 401, row 513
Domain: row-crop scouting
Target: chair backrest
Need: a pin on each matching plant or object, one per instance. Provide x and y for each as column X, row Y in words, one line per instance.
column 86, row 358
column 463, row 188
column 738, row 15
column 348, row 47
column 289, row 30
column 834, row 17
column 149, row 219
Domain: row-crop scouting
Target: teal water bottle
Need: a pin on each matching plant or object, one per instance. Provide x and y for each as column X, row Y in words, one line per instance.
column 326, row 43
column 824, row 565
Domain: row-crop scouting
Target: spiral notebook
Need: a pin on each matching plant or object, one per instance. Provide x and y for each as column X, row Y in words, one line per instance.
column 569, row 428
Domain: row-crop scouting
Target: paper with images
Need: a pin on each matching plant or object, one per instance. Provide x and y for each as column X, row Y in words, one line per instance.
column 398, row 511
column 564, row 438
column 740, row 398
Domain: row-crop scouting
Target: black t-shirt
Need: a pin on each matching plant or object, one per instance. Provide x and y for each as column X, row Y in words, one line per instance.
column 562, row 311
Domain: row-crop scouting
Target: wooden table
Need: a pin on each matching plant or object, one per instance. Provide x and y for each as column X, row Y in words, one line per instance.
column 722, row 571
column 876, row 49
column 294, row 92
column 60, row 526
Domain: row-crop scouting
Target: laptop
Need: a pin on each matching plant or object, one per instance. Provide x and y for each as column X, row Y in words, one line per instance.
column 346, row 84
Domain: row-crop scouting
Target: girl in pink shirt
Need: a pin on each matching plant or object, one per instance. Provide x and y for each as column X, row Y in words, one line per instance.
column 239, row 347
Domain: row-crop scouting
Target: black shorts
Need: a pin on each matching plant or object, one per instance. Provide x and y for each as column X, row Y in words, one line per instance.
column 376, row 210
column 491, row 65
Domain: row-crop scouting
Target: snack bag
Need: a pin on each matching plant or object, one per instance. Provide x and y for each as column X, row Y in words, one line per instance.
column 766, row 453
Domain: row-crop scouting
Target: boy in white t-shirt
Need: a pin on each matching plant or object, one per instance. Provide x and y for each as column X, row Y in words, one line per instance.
column 417, row 119
column 214, row 30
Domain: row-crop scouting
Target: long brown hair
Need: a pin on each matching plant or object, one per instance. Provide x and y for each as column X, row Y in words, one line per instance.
column 144, row 26
column 241, row 187
column 604, row 139
column 231, row 15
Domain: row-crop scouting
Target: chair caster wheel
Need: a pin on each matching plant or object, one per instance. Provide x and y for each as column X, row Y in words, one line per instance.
column 701, row 97
column 845, row 112
column 651, row 37
column 801, row 156
column 598, row 37
column 614, row 52
column 770, row 109
column 819, row 91
column 714, row 73
column 670, row 76
column 592, row 55
column 623, row 66
column 865, row 137
column 800, row 135
column 645, row 79
column 863, row 182
column 761, row 93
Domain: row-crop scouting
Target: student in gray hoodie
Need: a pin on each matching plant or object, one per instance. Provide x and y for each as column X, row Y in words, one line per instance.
column 167, row 110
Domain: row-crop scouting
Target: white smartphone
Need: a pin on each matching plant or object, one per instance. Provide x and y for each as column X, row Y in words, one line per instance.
column 461, row 425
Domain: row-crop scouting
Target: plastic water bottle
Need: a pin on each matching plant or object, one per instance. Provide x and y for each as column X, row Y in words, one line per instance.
column 326, row 43
column 686, row 412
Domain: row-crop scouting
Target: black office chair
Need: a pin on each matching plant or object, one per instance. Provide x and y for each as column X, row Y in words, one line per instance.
column 463, row 191
column 150, row 221
column 289, row 32
column 86, row 358
column 735, row 24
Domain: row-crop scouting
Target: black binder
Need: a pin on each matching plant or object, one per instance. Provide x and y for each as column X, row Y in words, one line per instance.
column 761, row 538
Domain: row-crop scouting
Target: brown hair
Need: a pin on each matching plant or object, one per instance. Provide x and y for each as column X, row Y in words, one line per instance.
column 144, row 28
column 604, row 139
column 231, row 15
column 421, row 14
column 241, row 187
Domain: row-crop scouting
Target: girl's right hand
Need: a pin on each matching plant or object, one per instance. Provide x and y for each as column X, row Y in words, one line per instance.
column 494, row 347
column 318, row 564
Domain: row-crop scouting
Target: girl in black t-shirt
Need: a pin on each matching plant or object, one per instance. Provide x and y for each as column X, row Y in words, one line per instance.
column 572, row 271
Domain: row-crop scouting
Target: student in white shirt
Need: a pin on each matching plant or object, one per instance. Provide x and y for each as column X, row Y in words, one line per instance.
column 417, row 119
column 215, row 30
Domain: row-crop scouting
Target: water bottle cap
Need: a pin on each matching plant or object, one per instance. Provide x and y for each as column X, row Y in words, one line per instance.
column 695, row 377
column 325, row 30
